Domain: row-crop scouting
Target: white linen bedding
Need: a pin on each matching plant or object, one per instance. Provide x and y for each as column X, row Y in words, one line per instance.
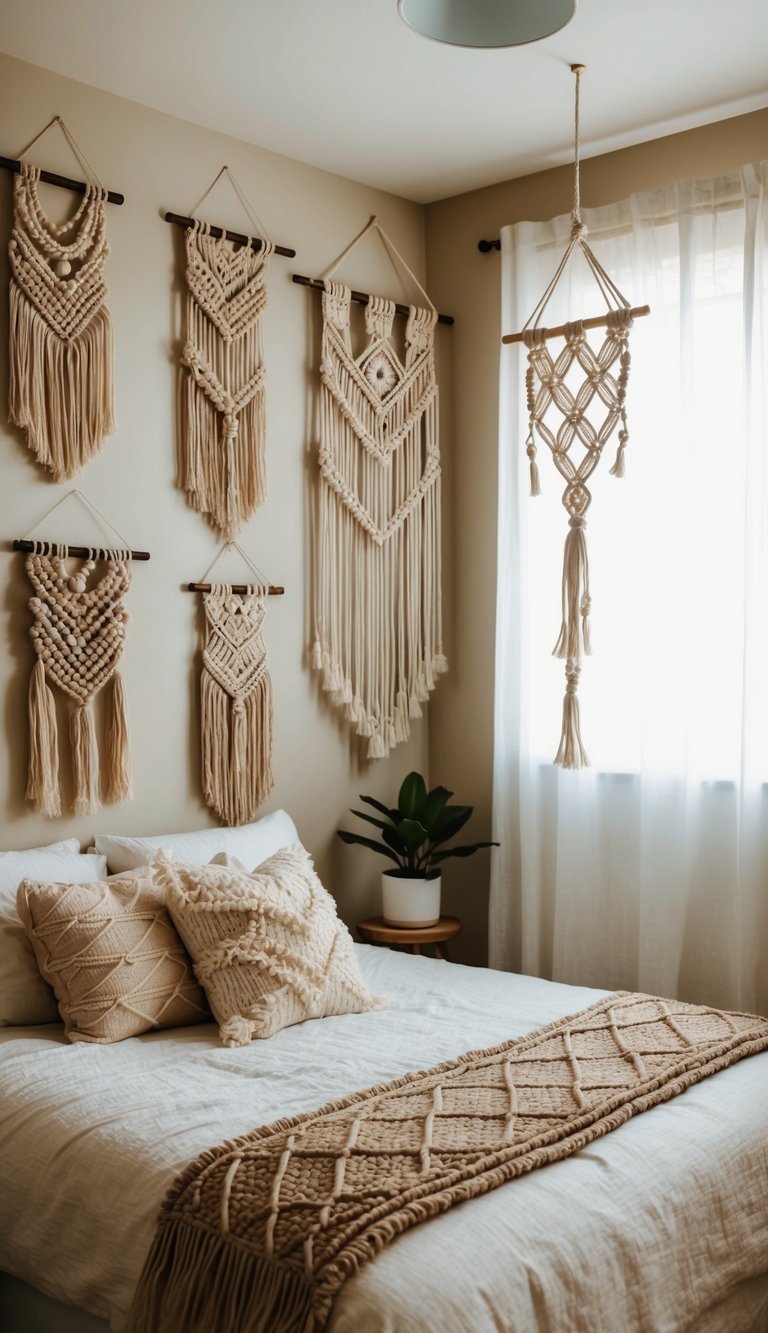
column 651, row 1229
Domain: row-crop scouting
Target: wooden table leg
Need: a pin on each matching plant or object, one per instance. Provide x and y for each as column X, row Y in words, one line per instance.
column 415, row 948
column 438, row 948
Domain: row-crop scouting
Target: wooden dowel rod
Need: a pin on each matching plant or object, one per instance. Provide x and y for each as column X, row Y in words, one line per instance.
column 80, row 552
column 64, row 182
column 233, row 587
column 255, row 242
column 595, row 322
column 362, row 298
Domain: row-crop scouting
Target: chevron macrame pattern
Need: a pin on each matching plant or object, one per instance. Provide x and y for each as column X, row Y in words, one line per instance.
column 285, row 1215
column 378, row 622
column 268, row 947
column 61, row 390
column 236, row 698
column 78, row 635
column 112, row 956
column 558, row 413
column 223, row 416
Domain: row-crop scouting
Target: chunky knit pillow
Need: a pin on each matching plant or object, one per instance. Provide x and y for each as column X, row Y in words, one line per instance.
column 267, row 947
column 112, row 956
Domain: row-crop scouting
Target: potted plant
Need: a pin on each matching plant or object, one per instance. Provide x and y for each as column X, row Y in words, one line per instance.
column 413, row 835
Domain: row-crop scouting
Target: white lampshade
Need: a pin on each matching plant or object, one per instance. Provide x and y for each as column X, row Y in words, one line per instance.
column 486, row 23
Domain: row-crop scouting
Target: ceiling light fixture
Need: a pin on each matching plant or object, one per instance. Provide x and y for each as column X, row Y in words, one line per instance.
column 486, row 23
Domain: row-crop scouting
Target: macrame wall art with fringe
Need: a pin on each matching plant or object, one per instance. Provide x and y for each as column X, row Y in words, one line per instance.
column 235, row 698
column 222, row 408
column 60, row 345
column 377, row 556
column 78, row 634
column 559, row 413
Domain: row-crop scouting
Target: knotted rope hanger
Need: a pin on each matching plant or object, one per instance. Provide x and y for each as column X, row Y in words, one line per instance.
column 238, row 238
column 549, row 396
column 16, row 165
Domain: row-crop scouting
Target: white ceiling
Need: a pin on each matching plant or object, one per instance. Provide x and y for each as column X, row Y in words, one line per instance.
column 343, row 84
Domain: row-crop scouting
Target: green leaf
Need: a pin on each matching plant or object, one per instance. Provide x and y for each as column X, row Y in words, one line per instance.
column 378, row 805
column 466, row 849
column 453, row 818
column 412, row 796
column 434, row 805
column 357, row 839
column 392, row 839
column 371, row 819
column 412, row 833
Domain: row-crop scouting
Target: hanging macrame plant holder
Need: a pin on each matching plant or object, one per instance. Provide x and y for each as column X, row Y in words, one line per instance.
column 378, row 619
column 60, row 347
column 236, row 700
column 222, row 418
column 568, row 419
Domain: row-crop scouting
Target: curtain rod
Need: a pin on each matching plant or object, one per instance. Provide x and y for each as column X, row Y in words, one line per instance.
column 486, row 246
column 362, row 298
column 80, row 552
column 233, row 587
column 255, row 242
column 64, row 182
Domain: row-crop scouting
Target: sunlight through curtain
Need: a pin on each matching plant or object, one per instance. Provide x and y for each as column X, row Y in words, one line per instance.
column 648, row 871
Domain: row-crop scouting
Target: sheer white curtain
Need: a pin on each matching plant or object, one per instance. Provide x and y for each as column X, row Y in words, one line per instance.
column 649, row 870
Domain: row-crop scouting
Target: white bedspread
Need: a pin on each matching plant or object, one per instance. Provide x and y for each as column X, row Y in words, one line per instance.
column 648, row 1229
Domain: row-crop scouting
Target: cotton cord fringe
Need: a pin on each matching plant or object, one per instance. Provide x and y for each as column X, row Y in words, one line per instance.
column 60, row 347
column 377, row 568
column 236, row 705
column 222, row 417
column 78, row 635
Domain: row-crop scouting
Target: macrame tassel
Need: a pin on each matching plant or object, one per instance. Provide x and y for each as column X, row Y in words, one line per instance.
column 85, row 762
column 534, row 467
column 618, row 468
column 571, row 753
column 574, row 638
column 118, row 751
column 43, row 783
column 237, row 749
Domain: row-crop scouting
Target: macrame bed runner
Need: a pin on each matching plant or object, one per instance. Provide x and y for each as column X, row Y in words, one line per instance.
column 236, row 700
column 78, row 634
column 223, row 412
column 270, row 1226
column 60, row 347
column 378, row 624
column 576, row 399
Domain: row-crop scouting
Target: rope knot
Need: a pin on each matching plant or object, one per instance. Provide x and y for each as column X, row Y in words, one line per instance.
column 231, row 426
column 238, row 707
column 577, row 521
column 579, row 229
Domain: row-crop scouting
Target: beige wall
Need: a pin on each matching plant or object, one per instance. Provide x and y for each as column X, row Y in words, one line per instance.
column 467, row 282
column 159, row 162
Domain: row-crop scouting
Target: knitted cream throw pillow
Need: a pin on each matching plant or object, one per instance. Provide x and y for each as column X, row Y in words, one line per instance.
column 112, row 956
column 267, row 947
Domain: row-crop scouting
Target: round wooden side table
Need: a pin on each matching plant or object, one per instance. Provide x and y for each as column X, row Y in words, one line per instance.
column 376, row 931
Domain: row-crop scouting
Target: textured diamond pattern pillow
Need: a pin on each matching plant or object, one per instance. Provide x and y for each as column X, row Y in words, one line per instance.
column 267, row 947
column 112, row 956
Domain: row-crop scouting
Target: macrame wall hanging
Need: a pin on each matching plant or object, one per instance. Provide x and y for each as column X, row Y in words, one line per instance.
column 565, row 417
column 235, row 696
column 222, row 416
column 60, row 346
column 78, row 634
column 378, row 622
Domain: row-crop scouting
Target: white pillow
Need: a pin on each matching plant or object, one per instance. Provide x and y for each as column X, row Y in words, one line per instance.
column 250, row 843
column 26, row 999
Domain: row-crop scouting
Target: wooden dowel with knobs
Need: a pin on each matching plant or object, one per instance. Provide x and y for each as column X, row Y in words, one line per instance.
column 238, row 238
column 362, row 298
column 594, row 322
column 233, row 587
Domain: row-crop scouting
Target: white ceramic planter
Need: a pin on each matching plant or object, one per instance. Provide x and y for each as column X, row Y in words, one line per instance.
column 410, row 902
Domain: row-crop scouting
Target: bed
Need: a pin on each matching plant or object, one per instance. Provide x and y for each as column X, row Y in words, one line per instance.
column 661, row 1225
